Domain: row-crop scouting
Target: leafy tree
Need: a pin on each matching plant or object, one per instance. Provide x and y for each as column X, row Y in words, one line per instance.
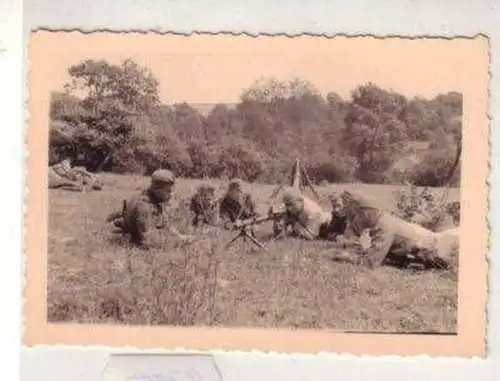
column 114, row 99
column 241, row 159
column 221, row 122
column 187, row 122
column 64, row 106
column 375, row 130
column 111, row 118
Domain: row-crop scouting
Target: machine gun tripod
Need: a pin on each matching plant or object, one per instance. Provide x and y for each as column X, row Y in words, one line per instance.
column 245, row 228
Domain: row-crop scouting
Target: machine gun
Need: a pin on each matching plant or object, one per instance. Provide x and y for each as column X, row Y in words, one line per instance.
column 245, row 227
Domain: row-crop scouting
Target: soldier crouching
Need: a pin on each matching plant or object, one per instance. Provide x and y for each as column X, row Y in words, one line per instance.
column 143, row 213
column 203, row 206
column 236, row 205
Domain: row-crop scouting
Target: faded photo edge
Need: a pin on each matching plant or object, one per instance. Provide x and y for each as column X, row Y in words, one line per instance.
column 472, row 286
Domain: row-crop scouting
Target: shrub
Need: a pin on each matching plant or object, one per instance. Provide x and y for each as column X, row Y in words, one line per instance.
column 423, row 207
column 333, row 170
column 241, row 160
column 433, row 171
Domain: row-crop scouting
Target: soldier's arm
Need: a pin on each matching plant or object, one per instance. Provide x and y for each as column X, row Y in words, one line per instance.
column 306, row 234
column 192, row 204
column 223, row 208
column 59, row 170
column 193, row 210
column 143, row 228
column 224, row 215
column 251, row 206
column 172, row 229
column 176, row 233
column 114, row 215
column 85, row 175
column 215, row 213
column 117, row 213
column 301, row 228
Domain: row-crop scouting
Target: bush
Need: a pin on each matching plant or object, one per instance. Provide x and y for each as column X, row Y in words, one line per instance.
column 433, row 171
column 126, row 129
column 333, row 170
column 241, row 160
column 423, row 207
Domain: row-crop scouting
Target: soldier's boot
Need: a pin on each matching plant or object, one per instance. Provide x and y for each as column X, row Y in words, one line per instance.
column 430, row 260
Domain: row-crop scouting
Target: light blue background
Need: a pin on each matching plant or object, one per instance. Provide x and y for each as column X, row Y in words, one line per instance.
column 382, row 17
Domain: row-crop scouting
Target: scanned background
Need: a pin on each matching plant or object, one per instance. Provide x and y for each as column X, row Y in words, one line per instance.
column 468, row 60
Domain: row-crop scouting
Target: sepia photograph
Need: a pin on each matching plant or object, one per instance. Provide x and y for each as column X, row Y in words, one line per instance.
column 239, row 182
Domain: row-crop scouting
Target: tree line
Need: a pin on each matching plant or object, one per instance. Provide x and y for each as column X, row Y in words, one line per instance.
column 110, row 118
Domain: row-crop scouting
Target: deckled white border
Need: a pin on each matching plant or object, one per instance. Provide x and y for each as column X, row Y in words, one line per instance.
column 11, row 172
column 445, row 18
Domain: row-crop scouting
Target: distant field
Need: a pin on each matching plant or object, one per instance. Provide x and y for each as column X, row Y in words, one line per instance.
column 94, row 276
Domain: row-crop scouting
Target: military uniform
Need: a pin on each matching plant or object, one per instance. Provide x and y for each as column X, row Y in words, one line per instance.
column 203, row 205
column 145, row 212
column 307, row 218
column 332, row 229
column 87, row 178
column 237, row 208
column 236, row 205
column 391, row 237
column 62, row 177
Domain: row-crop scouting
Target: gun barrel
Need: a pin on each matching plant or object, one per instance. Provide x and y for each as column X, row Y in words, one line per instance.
column 257, row 220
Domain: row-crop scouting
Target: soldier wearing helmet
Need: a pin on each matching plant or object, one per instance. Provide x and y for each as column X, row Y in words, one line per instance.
column 203, row 206
column 307, row 218
column 144, row 212
column 236, row 204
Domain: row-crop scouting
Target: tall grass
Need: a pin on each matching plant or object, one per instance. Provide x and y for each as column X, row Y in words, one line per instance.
column 97, row 277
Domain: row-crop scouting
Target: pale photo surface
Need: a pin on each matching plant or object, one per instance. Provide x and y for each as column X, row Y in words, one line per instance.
column 296, row 194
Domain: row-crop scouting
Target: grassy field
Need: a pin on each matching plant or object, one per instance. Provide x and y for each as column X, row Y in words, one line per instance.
column 95, row 277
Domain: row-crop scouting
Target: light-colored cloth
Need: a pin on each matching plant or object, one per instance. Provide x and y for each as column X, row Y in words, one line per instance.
column 387, row 231
column 60, row 178
column 63, row 176
column 304, row 215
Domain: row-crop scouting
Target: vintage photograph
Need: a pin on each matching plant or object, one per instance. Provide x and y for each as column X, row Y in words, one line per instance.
column 242, row 182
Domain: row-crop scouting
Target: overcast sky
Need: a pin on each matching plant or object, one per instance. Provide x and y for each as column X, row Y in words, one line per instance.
column 211, row 69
